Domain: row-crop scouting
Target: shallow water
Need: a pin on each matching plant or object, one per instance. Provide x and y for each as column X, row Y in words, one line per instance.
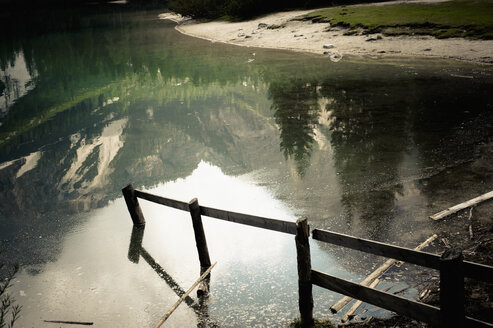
column 91, row 101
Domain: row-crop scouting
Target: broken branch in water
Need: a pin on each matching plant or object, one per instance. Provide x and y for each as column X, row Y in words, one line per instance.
column 71, row 322
column 175, row 306
column 462, row 206
column 350, row 313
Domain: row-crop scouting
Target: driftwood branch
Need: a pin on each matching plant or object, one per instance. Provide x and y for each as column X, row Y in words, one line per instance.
column 461, row 206
column 71, row 322
column 350, row 313
column 175, row 306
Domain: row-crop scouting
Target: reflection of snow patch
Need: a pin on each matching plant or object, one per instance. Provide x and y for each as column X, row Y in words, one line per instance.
column 18, row 82
column 7, row 164
column 150, row 113
column 31, row 163
column 109, row 144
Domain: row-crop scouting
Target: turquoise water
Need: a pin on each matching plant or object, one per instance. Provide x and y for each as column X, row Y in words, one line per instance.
column 92, row 100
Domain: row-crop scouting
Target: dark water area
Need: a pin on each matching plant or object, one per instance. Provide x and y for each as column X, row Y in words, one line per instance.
column 91, row 100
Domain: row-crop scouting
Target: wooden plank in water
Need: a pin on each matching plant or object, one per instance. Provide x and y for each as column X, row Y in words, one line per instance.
column 175, row 306
column 350, row 313
column 461, row 206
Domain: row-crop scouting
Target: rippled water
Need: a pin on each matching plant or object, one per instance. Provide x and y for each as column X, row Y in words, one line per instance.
column 92, row 100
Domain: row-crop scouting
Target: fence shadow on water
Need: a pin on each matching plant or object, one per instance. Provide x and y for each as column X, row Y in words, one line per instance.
column 452, row 268
column 200, row 307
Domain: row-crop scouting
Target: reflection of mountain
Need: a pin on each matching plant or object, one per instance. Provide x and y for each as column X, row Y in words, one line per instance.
column 132, row 100
column 119, row 107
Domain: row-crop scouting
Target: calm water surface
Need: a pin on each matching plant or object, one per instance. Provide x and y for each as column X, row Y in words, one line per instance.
column 92, row 101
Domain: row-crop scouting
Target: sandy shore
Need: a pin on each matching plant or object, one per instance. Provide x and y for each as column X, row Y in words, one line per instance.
column 305, row 36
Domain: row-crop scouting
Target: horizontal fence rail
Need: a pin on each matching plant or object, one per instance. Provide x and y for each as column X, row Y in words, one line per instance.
column 251, row 220
column 407, row 307
column 163, row 201
column 471, row 270
column 254, row 221
column 420, row 311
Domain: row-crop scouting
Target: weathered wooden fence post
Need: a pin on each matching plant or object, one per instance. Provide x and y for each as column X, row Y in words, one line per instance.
column 136, row 244
column 198, row 229
column 133, row 205
column 304, row 273
column 452, row 288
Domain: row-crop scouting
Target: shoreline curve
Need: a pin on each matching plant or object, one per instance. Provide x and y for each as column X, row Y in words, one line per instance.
column 280, row 31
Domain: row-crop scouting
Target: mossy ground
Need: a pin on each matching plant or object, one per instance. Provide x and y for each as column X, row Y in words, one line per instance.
column 460, row 18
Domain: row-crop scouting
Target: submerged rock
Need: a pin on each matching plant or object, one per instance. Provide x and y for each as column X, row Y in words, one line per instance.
column 334, row 55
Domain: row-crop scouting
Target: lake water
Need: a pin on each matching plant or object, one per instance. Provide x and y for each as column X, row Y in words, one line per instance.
column 91, row 100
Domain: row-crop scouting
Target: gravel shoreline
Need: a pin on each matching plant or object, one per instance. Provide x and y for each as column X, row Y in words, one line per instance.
column 280, row 31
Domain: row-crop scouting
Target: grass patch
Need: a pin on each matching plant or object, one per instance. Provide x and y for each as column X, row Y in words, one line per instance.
column 275, row 27
column 459, row 18
column 317, row 324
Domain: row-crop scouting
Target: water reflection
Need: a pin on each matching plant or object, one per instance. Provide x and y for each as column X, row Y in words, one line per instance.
column 347, row 144
column 136, row 251
column 381, row 135
column 255, row 274
column 16, row 80
column 295, row 105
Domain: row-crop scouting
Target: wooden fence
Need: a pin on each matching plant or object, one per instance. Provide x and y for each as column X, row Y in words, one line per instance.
column 452, row 268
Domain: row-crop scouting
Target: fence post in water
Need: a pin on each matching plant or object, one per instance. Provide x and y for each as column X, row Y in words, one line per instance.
column 304, row 273
column 198, row 229
column 133, row 205
column 136, row 244
column 452, row 288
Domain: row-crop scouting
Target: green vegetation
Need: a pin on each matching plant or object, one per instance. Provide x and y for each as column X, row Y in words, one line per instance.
column 275, row 27
column 9, row 311
column 470, row 19
column 317, row 324
column 247, row 8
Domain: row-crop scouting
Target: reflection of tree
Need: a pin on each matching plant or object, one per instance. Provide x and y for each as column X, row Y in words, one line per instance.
column 296, row 112
column 90, row 74
column 369, row 135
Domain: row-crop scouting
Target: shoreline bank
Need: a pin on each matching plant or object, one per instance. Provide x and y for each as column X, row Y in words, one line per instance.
column 280, row 31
